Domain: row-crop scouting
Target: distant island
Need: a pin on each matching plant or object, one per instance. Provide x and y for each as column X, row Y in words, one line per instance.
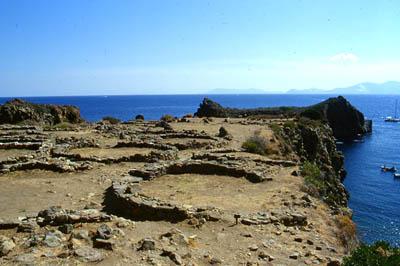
column 386, row 88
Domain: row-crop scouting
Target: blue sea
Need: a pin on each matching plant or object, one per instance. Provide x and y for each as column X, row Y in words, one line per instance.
column 374, row 196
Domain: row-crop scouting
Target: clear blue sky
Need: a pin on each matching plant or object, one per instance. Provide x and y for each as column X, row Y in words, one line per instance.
column 79, row 47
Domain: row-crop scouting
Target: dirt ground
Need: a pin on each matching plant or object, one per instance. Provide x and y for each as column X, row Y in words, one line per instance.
column 26, row 192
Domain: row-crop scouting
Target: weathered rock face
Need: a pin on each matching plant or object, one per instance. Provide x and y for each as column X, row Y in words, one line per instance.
column 314, row 142
column 346, row 121
column 17, row 111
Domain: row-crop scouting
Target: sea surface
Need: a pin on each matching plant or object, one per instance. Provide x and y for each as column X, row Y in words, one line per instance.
column 374, row 195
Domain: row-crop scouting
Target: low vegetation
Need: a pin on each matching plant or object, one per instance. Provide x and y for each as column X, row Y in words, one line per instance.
column 319, row 184
column 223, row 132
column 277, row 129
column 167, row 118
column 139, row 117
column 257, row 143
column 111, row 120
column 314, row 185
column 313, row 113
column 378, row 254
column 347, row 231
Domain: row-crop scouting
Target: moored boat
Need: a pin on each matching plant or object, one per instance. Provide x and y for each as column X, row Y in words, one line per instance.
column 385, row 168
column 393, row 119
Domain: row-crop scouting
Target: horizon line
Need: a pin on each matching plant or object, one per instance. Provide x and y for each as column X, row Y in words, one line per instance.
column 205, row 94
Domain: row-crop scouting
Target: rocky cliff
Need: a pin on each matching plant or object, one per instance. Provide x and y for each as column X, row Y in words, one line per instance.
column 345, row 120
column 20, row 111
column 322, row 163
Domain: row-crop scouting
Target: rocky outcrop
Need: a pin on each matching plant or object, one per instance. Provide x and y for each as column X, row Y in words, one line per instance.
column 20, row 111
column 209, row 108
column 346, row 121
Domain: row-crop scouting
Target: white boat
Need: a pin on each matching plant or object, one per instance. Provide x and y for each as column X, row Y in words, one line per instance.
column 396, row 175
column 393, row 119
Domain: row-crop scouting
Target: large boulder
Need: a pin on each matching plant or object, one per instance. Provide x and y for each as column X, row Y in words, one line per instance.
column 209, row 108
column 20, row 111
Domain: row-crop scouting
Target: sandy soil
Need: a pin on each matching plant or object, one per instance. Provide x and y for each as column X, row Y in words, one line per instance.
column 25, row 193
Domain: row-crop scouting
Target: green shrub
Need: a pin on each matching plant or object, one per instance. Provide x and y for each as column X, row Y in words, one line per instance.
column 60, row 126
column 111, row 120
column 312, row 113
column 305, row 121
column 223, row 132
column 275, row 128
column 290, row 124
column 313, row 183
column 256, row 144
column 64, row 125
column 167, row 118
column 378, row 254
column 312, row 174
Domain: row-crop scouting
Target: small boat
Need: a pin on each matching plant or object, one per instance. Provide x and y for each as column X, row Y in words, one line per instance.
column 393, row 119
column 396, row 175
column 392, row 169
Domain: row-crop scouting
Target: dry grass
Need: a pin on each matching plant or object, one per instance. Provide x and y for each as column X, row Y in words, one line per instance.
column 346, row 231
column 258, row 143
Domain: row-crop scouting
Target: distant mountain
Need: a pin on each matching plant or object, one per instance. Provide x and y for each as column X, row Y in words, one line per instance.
column 390, row 87
column 237, row 91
